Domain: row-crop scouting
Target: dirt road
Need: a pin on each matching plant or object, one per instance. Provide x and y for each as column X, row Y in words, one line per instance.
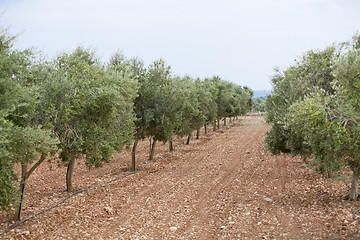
column 222, row 186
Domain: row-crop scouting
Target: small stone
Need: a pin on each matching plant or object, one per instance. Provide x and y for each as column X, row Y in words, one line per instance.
column 231, row 223
column 27, row 232
column 109, row 210
column 17, row 230
column 247, row 213
column 222, row 227
column 173, row 228
column 268, row 199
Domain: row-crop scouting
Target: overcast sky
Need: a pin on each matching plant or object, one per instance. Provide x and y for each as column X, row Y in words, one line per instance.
column 239, row 40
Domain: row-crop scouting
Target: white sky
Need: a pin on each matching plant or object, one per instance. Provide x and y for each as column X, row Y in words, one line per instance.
column 242, row 41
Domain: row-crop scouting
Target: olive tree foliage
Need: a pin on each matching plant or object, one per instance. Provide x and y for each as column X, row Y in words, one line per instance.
column 162, row 106
column 210, row 85
column 320, row 115
column 189, row 102
column 249, row 99
column 22, row 139
column 157, row 106
column 168, row 105
column 136, row 69
column 89, row 108
column 206, row 93
column 312, row 71
column 259, row 105
column 243, row 100
column 230, row 99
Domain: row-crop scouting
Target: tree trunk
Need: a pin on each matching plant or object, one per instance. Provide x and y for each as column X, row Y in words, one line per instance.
column 329, row 173
column 22, row 189
column 218, row 124
column 229, row 119
column 151, row 157
column 198, row 133
column 69, row 173
column 171, row 147
column 354, row 184
column 214, row 126
column 24, row 176
column 224, row 122
column 133, row 155
column 188, row 139
column 206, row 130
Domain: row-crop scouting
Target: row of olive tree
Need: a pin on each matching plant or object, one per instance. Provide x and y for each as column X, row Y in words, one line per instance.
column 315, row 110
column 169, row 105
column 76, row 106
column 72, row 105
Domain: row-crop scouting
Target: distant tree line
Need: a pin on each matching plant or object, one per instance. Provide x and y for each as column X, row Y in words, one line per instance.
column 75, row 105
column 259, row 104
column 314, row 110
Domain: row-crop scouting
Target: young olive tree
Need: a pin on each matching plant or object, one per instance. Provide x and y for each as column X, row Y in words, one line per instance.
column 206, row 103
column 210, row 84
column 136, row 69
column 162, row 105
column 22, row 139
column 190, row 116
column 89, row 108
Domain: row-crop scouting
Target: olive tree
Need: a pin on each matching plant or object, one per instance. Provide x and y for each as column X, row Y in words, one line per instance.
column 135, row 68
column 162, row 108
column 22, row 139
column 89, row 108
column 210, row 84
column 190, row 117
column 206, row 103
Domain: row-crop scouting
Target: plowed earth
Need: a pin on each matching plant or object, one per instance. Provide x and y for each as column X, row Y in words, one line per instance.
column 222, row 186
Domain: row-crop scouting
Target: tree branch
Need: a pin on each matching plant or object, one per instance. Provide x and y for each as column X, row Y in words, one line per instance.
column 42, row 158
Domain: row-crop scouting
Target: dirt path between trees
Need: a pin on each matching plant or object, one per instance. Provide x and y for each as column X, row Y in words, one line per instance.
column 222, row 186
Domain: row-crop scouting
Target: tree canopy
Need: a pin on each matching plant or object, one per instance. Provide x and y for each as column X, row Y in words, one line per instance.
column 314, row 109
column 22, row 138
column 89, row 108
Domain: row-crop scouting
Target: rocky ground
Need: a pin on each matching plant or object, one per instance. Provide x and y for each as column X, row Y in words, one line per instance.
column 222, row 186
